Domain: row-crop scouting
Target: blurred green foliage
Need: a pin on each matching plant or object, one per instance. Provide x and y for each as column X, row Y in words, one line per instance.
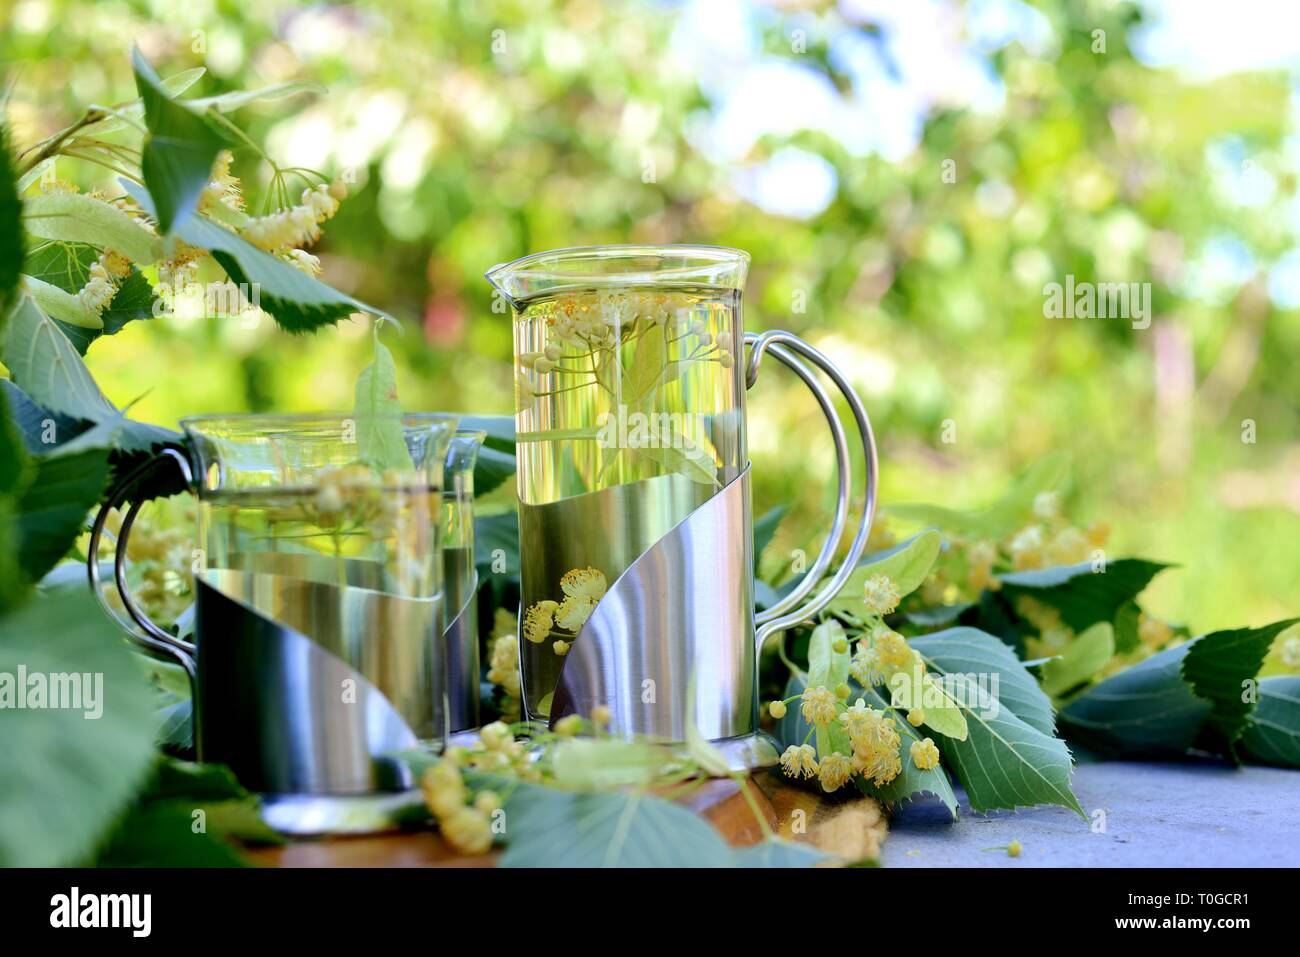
column 475, row 132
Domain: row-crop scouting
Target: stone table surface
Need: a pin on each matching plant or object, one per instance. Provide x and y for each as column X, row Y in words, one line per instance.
column 1140, row 815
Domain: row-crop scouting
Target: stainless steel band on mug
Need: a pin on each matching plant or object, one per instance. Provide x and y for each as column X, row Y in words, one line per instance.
column 789, row 348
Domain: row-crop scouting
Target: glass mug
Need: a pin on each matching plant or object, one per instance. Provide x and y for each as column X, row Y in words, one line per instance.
column 318, row 595
column 633, row 480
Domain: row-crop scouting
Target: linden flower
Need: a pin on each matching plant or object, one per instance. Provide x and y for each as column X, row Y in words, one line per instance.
column 799, row 760
column 444, row 791
column 925, row 754
column 561, row 648
column 776, row 709
column 568, row 726
column 834, row 771
column 875, row 743
column 1047, row 505
column 583, row 588
column 819, row 705
column 893, row 654
column 881, row 595
column 864, row 666
column 468, row 830
column 538, row 621
column 1026, row 548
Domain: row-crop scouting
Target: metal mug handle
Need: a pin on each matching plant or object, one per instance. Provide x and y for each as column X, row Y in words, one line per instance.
column 153, row 638
column 790, row 349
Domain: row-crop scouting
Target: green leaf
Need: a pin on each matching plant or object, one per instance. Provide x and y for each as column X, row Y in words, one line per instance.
column 52, row 511
column 66, row 777
column 11, row 233
column 910, row 689
column 606, row 763
column 178, row 152
column 174, row 85
column 45, row 365
column 1272, row 733
column 550, row 828
column 381, row 440
column 701, row 750
column 491, row 469
column 493, row 532
column 1126, row 627
column 162, row 834
column 1085, row 656
column 1145, row 709
column 229, row 102
column 1005, row 762
column 765, row 527
column 81, row 218
column 906, row 565
column 60, row 305
column 774, row 852
column 500, row 430
column 970, row 651
column 67, row 265
column 1219, row 666
column 1084, row 595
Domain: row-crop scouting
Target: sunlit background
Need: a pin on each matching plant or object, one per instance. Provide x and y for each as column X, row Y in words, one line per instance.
column 906, row 175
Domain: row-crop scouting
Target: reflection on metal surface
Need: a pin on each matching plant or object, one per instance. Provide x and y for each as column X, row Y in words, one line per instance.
column 307, row 814
column 684, row 607
column 608, row 530
column 292, row 713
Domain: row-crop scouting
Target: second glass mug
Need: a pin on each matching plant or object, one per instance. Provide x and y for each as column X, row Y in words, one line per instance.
column 319, row 590
column 633, row 479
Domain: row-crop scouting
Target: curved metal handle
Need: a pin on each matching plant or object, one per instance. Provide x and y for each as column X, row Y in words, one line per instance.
column 789, row 348
column 150, row 636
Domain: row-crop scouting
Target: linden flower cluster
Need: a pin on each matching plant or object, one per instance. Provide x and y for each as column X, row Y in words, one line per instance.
column 503, row 663
column 590, row 329
column 874, row 744
column 583, row 589
column 281, row 231
column 464, row 819
column 497, row 751
column 102, row 280
column 160, row 552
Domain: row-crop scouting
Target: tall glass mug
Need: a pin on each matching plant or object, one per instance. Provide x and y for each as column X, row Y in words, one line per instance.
column 319, row 595
column 636, row 553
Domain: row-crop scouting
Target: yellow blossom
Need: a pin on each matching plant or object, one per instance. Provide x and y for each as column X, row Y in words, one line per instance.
column 561, row 648
column 1014, row 849
column 881, row 595
column 538, row 621
column 875, row 743
column 864, row 666
column 925, row 754
column 916, row 717
column 487, row 801
column 819, row 705
column 468, row 830
column 583, row 588
column 834, row 771
column 444, row 791
column 568, row 726
column 776, row 709
column 799, row 760
column 601, row 716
